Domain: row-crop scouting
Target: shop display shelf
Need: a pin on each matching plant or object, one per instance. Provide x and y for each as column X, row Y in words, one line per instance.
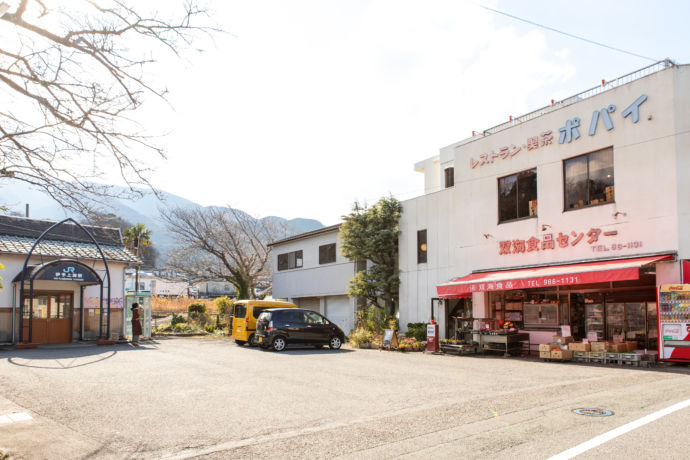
column 581, row 359
column 581, row 354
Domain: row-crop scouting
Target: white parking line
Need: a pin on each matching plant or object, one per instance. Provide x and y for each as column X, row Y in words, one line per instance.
column 15, row 417
column 609, row 435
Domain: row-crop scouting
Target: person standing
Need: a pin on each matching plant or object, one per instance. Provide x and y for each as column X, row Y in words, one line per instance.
column 136, row 324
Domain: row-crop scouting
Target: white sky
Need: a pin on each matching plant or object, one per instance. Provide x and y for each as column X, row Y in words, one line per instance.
column 306, row 106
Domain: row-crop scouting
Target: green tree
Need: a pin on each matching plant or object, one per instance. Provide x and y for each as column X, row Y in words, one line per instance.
column 371, row 234
column 137, row 236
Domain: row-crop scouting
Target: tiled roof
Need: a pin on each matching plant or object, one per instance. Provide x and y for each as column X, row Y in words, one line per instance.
column 52, row 248
column 32, row 228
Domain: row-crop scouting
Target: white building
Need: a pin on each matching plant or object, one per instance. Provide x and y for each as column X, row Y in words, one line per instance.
column 600, row 176
column 69, row 280
column 156, row 285
column 309, row 271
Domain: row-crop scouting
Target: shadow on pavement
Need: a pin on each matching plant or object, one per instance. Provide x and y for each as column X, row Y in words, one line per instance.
column 68, row 356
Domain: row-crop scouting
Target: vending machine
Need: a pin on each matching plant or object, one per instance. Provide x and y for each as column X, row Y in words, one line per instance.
column 674, row 322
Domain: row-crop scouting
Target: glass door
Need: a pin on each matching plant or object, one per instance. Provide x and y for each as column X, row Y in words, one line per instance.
column 635, row 323
column 594, row 320
column 615, row 321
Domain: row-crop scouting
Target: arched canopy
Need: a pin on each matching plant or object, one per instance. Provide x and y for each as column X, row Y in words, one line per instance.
column 25, row 271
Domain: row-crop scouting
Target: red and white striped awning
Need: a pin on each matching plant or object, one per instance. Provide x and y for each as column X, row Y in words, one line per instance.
column 539, row 277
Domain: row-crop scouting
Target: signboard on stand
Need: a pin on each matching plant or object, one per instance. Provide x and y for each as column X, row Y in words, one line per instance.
column 390, row 339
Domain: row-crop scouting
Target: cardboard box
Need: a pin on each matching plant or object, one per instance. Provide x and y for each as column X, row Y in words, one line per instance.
column 562, row 354
column 616, row 347
column 579, row 347
column 563, row 340
column 598, row 347
column 546, row 347
column 632, row 345
column 545, row 354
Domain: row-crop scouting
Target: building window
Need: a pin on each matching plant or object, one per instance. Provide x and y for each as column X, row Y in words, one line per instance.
column 327, row 253
column 517, row 196
column 282, row 261
column 449, row 176
column 421, row 247
column 588, row 179
column 290, row 260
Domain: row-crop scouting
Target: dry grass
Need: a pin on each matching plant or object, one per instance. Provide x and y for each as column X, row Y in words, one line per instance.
column 179, row 304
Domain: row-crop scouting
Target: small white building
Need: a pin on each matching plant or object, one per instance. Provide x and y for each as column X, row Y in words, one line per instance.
column 66, row 283
column 571, row 215
column 310, row 271
column 156, row 285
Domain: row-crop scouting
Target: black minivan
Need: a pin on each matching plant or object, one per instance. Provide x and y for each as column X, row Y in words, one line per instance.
column 277, row 328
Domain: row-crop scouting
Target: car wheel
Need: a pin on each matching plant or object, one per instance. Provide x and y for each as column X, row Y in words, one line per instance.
column 252, row 341
column 335, row 342
column 279, row 343
column 239, row 343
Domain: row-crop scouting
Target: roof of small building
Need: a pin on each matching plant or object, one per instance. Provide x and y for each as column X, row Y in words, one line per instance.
column 306, row 234
column 33, row 228
column 18, row 235
column 22, row 245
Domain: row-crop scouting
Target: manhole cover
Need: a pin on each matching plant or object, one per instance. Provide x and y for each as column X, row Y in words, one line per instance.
column 593, row 412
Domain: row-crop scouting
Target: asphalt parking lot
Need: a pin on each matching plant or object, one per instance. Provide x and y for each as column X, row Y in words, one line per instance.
column 207, row 398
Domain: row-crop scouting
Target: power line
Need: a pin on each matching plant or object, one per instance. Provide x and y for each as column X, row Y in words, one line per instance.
column 563, row 33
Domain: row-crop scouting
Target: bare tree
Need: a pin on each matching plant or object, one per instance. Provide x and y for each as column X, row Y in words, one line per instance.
column 221, row 243
column 71, row 74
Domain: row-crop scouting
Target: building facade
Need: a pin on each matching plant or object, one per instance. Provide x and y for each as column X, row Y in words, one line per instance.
column 309, row 271
column 156, row 285
column 66, row 282
column 570, row 215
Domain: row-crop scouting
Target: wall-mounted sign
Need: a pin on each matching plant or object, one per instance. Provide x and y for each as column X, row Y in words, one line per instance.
column 568, row 133
column 548, row 242
column 67, row 271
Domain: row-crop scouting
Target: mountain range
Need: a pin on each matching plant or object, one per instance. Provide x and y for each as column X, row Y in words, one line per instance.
column 15, row 195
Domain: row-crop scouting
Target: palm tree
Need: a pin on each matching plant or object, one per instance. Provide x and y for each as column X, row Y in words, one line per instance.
column 136, row 236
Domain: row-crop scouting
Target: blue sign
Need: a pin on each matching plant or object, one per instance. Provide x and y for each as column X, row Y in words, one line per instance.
column 68, row 271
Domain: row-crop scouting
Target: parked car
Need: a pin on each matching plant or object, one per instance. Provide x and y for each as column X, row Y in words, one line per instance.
column 244, row 315
column 277, row 328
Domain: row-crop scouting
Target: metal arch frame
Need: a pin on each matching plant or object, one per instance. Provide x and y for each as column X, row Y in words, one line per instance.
column 31, row 296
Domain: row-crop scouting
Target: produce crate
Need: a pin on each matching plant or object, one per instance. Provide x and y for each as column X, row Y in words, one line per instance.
column 614, row 358
column 597, row 357
column 581, row 356
column 632, row 359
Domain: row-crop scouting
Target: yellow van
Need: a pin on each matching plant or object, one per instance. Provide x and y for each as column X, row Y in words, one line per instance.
column 244, row 315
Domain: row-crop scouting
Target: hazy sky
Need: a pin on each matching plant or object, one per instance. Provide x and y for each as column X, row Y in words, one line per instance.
column 305, row 106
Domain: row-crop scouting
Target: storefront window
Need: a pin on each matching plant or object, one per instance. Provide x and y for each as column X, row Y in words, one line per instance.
column 517, row 196
column 589, row 179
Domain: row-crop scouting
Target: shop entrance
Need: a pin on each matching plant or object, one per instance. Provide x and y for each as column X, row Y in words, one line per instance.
column 52, row 319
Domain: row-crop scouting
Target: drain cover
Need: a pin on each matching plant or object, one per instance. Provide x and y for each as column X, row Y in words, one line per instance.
column 593, row 412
